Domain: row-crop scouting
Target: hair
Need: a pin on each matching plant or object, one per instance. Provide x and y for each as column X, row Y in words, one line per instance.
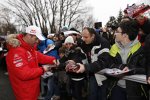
column 61, row 33
column 90, row 30
column 131, row 28
column 62, row 50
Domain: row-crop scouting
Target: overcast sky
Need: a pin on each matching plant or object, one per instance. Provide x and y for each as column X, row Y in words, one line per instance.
column 103, row 9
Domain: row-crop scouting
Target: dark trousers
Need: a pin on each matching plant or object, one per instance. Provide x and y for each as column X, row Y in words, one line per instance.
column 77, row 88
column 94, row 89
column 3, row 63
column 53, row 88
column 118, row 93
column 137, row 91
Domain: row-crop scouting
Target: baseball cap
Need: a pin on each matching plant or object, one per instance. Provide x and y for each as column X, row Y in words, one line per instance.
column 34, row 30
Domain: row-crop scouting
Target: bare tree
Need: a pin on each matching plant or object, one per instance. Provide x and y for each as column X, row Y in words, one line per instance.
column 54, row 7
column 70, row 11
column 6, row 21
column 50, row 15
column 87, row 21
column 120, row 16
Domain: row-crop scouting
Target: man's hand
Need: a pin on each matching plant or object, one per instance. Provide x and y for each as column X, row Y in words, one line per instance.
column 148, row 80
column 81, row 69
column 126, row 69
column 56, row 62
column 46, row 68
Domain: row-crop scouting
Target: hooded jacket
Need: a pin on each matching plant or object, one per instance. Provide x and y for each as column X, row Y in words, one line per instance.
column 97, row 54
column 136, row 61
column 24, row 72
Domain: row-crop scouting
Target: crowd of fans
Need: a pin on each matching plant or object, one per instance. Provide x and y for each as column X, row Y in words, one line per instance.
column 77, row 56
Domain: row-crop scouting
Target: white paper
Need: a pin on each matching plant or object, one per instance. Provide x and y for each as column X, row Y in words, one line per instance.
column 1, row 48
column 113, row 71
column 51, row 48
column 100, row 78
column 47, row 74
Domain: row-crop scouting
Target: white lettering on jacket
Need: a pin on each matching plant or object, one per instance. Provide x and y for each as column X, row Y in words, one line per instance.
column 17, row 61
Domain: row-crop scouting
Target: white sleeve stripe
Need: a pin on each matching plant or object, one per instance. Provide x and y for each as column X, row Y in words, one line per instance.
column 103, row 50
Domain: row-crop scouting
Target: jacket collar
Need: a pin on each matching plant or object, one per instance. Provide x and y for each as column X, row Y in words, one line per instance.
column 24, row 44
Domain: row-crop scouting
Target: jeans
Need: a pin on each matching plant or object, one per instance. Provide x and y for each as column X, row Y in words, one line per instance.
column 53, row 88
column 94, row 89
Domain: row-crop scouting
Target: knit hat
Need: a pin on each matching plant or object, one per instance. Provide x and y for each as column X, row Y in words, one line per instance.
column 34, row 30
column 69, row 39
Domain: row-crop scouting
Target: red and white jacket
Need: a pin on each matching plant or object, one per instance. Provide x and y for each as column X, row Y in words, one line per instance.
column 24, row 71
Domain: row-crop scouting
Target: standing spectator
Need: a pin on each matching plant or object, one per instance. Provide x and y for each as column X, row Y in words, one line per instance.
column 145, row 24
column 96, row 49
column 3, row 53
column 128, row 54
column 147, row 54
column 76, row 81
column 145, row 36
column 62, row 37
column 22, row 63
column 57, row 41
column 49, row 84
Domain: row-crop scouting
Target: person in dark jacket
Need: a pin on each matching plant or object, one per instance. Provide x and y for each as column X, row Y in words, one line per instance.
column 128, row 54
column 73, row 53
column 145, row 39
column 145, row 24
column 146, row 30
column 96, row 49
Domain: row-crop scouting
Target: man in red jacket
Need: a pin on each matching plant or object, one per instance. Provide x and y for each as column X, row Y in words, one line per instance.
column 23, row 64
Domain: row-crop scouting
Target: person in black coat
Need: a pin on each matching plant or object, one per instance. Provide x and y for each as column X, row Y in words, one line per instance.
column 144, row 23
column 128, row 54
column 96, row 49
column 72, row 55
